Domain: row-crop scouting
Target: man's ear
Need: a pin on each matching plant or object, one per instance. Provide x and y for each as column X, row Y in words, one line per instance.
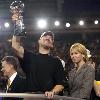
column 11, row 66
column 52, row 45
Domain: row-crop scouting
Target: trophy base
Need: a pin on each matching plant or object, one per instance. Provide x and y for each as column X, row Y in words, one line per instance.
column 21, row 34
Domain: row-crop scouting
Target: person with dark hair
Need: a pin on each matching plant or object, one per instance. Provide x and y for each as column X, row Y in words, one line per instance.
column 9, row 69
column 44, row 72
column 15, row 82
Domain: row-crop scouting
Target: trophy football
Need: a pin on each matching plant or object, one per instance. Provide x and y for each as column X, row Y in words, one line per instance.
column 17, row 8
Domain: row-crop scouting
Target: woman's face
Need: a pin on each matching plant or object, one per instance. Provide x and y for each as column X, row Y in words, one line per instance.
column 76, row 56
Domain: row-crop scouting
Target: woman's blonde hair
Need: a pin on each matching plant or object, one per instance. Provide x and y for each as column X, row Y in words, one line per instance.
column 80, row 48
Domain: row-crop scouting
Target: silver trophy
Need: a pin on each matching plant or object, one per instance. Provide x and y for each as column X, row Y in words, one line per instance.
column 17, row 8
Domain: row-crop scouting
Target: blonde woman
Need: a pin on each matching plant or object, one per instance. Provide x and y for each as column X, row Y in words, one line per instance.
column 81, row 77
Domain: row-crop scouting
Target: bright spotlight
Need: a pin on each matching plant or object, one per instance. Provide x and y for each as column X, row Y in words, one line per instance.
column 42, row 23
column 57, row 23
column 81, row 22
column 96, row 22
column 6, row 24
column 67, row 24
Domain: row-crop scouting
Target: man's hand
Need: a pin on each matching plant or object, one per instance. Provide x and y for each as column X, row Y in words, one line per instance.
column 49, row 94
column 15, row 17
column 55, row 90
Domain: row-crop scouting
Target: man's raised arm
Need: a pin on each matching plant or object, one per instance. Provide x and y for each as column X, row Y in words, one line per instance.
column 16, row 45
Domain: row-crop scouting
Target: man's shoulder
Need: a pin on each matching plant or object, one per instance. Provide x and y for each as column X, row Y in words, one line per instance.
column 29, row 53
column 55, row 58
column 20, row 77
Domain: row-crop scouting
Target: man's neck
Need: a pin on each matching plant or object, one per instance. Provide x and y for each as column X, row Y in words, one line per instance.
column 44, row 51
column 12, row 73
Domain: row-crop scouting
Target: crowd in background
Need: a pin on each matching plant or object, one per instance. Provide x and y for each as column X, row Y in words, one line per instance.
column 61, row 48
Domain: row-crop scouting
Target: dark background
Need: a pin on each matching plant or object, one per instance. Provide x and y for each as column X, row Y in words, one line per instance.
column 65, row 11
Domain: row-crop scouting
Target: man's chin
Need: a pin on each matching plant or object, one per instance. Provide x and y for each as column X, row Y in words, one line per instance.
column 47, row 47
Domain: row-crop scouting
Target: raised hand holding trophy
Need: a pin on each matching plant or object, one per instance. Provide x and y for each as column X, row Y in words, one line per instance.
column 17, row 8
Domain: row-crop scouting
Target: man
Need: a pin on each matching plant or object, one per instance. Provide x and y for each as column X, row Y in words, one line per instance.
column 15, row 82
column 44, row 72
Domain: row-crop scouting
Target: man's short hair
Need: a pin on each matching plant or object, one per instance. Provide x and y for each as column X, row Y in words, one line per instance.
column 11, row 60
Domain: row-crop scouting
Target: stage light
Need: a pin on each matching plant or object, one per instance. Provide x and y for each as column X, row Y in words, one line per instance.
column 96, row 22
column 67, row 24
column 81, row 22
column 6, row 24
column 42, row 23
column 57, row 23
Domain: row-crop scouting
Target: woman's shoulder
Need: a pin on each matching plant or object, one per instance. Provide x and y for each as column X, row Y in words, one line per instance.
column 73, row 70
column 89, row 67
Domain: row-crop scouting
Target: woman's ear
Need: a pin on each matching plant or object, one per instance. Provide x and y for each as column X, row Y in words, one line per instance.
column 83, row 56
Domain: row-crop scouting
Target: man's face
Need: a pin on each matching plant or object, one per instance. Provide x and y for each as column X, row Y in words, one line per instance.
column 46, row 41
column 6, row 68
